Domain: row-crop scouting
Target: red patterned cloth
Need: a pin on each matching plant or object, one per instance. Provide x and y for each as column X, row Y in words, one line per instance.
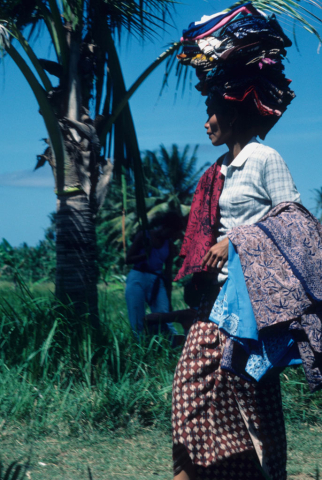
column 201, row 232
column 220, row 419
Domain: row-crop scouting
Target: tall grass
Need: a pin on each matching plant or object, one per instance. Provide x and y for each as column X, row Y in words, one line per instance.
column 60, row 375
column 57, row 376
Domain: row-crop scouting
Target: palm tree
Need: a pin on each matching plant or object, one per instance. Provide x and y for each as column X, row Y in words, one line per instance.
column 170, row 179
column 88, row 73
column 173, row 173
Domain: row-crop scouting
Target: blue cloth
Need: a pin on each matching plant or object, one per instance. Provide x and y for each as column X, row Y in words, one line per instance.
column 139, row 287
column 157, row 258
column 272, row 351
column 233, row 314
column 232, row 310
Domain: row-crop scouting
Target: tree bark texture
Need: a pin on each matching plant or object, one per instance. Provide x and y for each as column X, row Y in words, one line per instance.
column 77, row 272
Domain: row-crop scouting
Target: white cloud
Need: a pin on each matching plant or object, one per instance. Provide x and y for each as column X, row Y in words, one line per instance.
column 42, row 177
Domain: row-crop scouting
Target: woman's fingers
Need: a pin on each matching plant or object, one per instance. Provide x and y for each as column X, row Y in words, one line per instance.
column 215, row 262
column 216, row 257
column 211, row 261
column 206, row 258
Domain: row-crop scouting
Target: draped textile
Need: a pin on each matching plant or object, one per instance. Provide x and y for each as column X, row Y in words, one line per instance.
column 203, row 222
column 281, row 258
column 220, row 420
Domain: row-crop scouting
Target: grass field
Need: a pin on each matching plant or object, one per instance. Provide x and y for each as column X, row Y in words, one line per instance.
column 143, row 454
column 71, row 402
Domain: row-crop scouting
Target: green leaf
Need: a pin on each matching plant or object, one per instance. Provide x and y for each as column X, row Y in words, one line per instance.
column 47, row 113
column 128, row 94
column 32, row 57
column 56, row 30
column 47, row 343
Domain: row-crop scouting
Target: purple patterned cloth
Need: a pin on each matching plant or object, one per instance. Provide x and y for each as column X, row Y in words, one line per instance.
column 281, row 258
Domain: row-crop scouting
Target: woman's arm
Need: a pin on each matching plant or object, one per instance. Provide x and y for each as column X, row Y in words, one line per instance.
column 133, row 254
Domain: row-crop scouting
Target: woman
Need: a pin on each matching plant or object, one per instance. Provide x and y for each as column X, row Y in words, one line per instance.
column 150, row 280
column 224, row 425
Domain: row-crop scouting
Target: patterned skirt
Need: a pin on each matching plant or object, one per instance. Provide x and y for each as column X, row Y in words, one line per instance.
column 225, row 426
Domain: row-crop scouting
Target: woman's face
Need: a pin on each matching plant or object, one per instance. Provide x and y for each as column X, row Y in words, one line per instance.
column 219, row 127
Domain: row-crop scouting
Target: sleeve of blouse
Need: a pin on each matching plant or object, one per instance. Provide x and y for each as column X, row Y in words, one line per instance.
column 278, row 181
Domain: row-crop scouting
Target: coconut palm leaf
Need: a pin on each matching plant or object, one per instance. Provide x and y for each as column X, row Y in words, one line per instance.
column 46, row 111
column 293, row 9
column 32, row 57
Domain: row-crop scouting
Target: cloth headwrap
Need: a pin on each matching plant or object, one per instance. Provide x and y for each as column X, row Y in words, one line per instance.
column 203, row 222
column 238, row 54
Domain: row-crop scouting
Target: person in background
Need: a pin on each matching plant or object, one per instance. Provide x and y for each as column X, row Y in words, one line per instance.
column 150, row 280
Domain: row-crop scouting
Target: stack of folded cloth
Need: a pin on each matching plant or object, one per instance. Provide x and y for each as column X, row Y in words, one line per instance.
column 238, row 54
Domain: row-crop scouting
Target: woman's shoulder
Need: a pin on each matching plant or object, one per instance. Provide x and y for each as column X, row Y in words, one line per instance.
column 213, row 166
column 265, row 154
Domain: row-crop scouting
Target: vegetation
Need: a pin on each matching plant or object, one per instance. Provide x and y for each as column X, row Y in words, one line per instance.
column 170, row 178
column 59, row 379
column 87, row 76
column 34, row 264
column 60, row 385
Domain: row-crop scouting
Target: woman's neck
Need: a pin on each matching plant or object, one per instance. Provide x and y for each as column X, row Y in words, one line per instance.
column 237, row 144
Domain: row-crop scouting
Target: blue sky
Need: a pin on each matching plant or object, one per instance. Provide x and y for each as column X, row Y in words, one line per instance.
column 27, row 197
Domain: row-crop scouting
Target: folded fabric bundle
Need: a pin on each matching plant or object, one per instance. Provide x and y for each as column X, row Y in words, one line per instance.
column 233, row 314
column 238, row 54
column 278, row 320
column 216, row 21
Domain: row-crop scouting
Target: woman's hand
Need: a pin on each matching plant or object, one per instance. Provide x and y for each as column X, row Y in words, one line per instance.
column 217, row 256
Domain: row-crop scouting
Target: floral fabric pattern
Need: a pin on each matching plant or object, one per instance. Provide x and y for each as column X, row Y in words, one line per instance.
column 203, row 223
column 281, row 258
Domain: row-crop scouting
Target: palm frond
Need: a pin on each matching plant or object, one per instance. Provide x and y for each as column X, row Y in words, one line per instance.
column 293, row 9
column 143, row 18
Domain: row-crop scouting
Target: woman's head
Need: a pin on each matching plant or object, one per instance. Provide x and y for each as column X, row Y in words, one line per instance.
column 238, row 56
column 169, row 224
column 228, row 120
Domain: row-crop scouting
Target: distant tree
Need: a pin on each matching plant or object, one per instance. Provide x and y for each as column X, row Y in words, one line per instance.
column 29, row 264
column 173, row 175
column 170, row 179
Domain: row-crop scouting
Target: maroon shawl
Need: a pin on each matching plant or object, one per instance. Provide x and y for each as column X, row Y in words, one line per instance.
column 201, row 232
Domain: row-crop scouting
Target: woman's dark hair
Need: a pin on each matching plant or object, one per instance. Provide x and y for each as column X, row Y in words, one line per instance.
column 248, row 114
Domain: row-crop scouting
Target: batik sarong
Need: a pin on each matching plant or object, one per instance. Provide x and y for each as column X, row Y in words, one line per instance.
column 227, row 426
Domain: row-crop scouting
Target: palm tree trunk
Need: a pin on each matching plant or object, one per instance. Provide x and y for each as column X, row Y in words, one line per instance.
column 77, row 272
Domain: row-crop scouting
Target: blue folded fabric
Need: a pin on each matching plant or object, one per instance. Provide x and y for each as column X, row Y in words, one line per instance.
column 195, row 30
column 272, row 352
column 233, row 313
column 232, row 310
